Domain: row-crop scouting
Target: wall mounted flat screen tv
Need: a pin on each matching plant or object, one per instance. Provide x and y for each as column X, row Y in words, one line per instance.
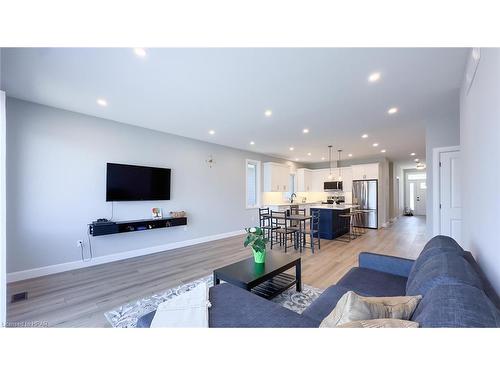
column 137, row 183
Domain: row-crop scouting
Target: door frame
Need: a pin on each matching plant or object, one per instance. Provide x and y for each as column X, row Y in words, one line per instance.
column 436, row 186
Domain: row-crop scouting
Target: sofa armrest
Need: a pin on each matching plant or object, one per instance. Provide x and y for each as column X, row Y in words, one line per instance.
column 386, row 263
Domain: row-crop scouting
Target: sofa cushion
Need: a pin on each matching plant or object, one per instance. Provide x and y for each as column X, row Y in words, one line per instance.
column 442, row 269
column 369, row 282
column 456, row 306
column 236, row 307
column 436, row 246
column 325, row 303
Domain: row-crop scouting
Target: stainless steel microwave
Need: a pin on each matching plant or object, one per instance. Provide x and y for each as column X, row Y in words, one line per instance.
column 332, row 186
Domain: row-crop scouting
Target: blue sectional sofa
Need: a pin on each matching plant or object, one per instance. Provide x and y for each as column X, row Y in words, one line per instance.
column 455, row 292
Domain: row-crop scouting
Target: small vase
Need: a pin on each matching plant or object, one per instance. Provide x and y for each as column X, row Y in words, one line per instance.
column 259, row 256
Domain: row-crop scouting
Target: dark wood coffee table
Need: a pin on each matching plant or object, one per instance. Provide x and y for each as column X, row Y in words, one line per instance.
column 266, row 280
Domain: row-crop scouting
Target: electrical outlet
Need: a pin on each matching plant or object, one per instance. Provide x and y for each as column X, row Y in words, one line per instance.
column 79, row 243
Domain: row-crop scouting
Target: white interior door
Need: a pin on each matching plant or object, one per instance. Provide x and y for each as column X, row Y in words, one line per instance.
column 450, row 218
column 420, row 197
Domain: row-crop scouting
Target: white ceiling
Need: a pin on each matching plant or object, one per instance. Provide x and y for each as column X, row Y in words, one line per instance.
column 191, row 91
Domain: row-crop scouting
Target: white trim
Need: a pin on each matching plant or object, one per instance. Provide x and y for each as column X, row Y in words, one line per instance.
column 62, row 267
column 258, row 173
column 3, row 200
column 436, row 185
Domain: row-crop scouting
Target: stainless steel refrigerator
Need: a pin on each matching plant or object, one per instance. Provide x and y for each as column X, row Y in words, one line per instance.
column 365, row 194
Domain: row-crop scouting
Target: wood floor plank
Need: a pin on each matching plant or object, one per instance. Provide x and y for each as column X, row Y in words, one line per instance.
column 80, row 298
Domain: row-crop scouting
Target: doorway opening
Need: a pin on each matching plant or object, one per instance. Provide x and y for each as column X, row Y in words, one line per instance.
column 416, row 191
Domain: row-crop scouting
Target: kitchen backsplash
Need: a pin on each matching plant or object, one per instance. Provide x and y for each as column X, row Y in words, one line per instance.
column 276, row 198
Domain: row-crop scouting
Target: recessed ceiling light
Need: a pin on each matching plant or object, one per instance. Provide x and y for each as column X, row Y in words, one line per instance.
column 102, row 102
column 211, row 132
column 384, row 150
column 141, row 52
column 364, row 136
column 268, row 113
column 375, row 145
column 308, row 154
column 374, row 77
column 350, row 155
column 392, row 110
column 323, row 158
column 296, row 159
column 417, row 160
column 291, row 149
column 252, row 143
column 412, row 154
column 305, row 131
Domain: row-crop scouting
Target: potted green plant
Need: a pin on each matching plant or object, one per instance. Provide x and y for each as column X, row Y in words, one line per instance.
column 255, row 239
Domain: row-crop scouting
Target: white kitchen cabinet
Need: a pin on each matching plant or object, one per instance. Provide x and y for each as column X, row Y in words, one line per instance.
column 319, row 176
column 365, row 171
column 276, row 177
column 304, row 180
column 346, row 179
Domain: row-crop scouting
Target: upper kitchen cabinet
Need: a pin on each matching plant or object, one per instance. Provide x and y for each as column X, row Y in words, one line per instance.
column 346, row 179
column 276, row 177
column 319, row 176
column 304, row 180
column 365, row 171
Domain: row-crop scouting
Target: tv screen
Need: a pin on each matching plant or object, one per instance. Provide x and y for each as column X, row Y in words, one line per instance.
column 136, row 183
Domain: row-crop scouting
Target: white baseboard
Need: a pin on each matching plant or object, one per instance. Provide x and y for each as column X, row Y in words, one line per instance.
column 62, row 267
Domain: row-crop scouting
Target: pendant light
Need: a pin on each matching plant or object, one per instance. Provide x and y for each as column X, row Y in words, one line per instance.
column 340, row 169
column 330, row 176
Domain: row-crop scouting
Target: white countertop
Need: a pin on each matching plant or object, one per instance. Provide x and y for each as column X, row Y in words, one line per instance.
column 285, row 204
column 345, row 206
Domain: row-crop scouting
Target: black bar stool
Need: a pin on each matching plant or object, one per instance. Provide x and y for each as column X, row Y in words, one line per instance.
column 313, row 231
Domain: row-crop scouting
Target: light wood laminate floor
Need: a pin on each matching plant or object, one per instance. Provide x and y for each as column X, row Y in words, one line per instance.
column 80, row 298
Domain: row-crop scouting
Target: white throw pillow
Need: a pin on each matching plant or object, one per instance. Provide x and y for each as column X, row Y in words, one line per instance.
column 380, row 323
column 353, row 307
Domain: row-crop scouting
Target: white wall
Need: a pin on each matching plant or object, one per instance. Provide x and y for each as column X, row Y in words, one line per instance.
column 56, row 169
column 441, row 131
column 480, row 153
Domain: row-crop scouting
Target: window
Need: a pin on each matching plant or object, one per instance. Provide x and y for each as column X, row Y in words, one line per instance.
column 417, row 176
column 412, row 196
column 423, row 185
column 252, row 183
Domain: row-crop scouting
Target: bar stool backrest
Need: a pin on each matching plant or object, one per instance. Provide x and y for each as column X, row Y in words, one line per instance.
column 315, row 215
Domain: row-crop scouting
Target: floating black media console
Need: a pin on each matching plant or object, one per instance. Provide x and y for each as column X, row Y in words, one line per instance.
column 111, row 227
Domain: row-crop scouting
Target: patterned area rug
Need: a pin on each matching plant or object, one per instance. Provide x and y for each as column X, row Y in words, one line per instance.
column 126, row 316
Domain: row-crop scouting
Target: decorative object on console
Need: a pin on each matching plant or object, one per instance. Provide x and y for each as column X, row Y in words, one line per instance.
column 177, row 213
column 156, row 213
column 255, row 238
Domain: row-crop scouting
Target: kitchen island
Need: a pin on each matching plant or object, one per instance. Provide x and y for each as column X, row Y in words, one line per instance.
column 331, row 225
